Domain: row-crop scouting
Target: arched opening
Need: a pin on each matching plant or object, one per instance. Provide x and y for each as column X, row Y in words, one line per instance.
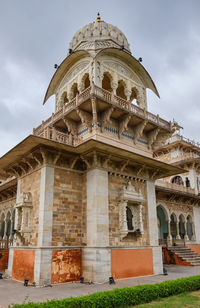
column 121, row 90
column 106, row 82
column 177, row 180
column 187, row 182
column 2, row 225
column 74, row 90
column 181, row 226
column 173, row 225
column 129, row 218
column 64, row 98
column 86, row 81
column 8, row 229
column 189, row 227
column 162, row 223
column 134, row 94
column 13, row 221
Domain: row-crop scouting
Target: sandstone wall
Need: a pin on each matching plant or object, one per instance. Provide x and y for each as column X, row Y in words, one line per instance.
column 69, row 208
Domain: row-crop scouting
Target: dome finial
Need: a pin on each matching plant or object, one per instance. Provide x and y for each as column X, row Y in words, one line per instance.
column 98, row 17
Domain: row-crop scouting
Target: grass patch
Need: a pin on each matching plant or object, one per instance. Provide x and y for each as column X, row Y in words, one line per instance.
column 179, row 301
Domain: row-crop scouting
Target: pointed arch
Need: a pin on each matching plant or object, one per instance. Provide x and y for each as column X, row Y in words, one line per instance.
column 106, row 81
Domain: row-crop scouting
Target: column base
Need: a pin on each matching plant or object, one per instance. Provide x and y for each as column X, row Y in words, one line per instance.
column 96, row 264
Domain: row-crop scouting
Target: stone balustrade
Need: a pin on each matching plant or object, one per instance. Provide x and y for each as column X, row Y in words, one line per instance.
column 105, row 96
column 173, row 186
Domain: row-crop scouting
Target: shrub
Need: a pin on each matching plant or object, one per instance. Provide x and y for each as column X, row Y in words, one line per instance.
column 123, row 297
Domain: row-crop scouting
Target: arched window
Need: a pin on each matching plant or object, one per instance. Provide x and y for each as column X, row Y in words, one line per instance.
column 86, row 81
column 106, row 82
column 129, row 218
column 120, row 90
column 177, row 180
column 74, row 90
column 134, row 94
column 187, row 182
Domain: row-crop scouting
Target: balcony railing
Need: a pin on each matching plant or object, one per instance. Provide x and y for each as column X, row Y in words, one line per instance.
column 186, row 156
column 108, row 97
column 178, row 137
column 174, row 186
column 4, row 244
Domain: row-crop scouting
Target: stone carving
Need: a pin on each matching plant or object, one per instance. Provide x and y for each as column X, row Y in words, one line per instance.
column 121, row 70
column 105, row 117
column 86, row 118
column 98, row 35
column 152, row 135
column 124, row 124
column 71, row 126
column 74, row 71
column 133, row 200
column 138, row 130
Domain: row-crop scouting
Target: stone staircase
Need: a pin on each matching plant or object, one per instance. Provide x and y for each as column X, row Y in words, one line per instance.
column 186, row 254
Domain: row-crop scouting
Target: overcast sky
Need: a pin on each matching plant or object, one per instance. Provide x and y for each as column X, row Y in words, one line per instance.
column 35, row 34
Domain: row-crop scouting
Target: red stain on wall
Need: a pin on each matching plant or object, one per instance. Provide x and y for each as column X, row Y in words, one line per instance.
column 170, row 257
column 195, row 248
column 23, row 265
column 131, row 262
column 66, row 265
column 3, row 259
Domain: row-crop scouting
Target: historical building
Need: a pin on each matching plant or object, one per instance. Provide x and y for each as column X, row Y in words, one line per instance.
column 103, row 184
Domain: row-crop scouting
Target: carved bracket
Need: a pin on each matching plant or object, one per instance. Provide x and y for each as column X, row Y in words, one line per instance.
column 124, row 124
column 138, row 130
column 86, row 118
column 152, row 135
column 71, row 126
column 105, row 117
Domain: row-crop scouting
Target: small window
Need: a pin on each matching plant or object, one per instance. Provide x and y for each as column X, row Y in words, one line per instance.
column 129, row 218
column 187, row 182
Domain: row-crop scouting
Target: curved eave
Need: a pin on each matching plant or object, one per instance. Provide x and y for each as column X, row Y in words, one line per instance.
column 135, row 64
column 62, row 69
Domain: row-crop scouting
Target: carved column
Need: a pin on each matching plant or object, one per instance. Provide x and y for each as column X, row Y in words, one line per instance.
column 94, row 112
column 178, row 231
column 169, row 237
column 5, row 228
column 185, row 227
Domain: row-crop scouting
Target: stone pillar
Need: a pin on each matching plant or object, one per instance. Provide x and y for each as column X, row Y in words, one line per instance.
column 96, row 256
column 169, row 238
column 185, row 227
column 42, row 268
column 178, row 231
column 10, row 262
column 196, row 215
column 153, row 227
column 193, row 180
column 5, row 228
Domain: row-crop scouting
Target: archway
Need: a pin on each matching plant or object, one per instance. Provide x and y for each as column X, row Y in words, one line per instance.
column 189, row 227
column 8, row 220
column 173, row 225
column 106, row 82
column 162, row 223
column 74, row 90
column 177, row 180
column 2, row 225
column 134, row 94
column 181, row 226
column 120, row 90
column 86, row 81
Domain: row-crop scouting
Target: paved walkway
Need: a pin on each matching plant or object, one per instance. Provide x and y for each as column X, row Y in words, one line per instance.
column 14, row 292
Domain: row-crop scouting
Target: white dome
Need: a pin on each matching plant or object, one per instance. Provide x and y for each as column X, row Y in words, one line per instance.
column 99, row 35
